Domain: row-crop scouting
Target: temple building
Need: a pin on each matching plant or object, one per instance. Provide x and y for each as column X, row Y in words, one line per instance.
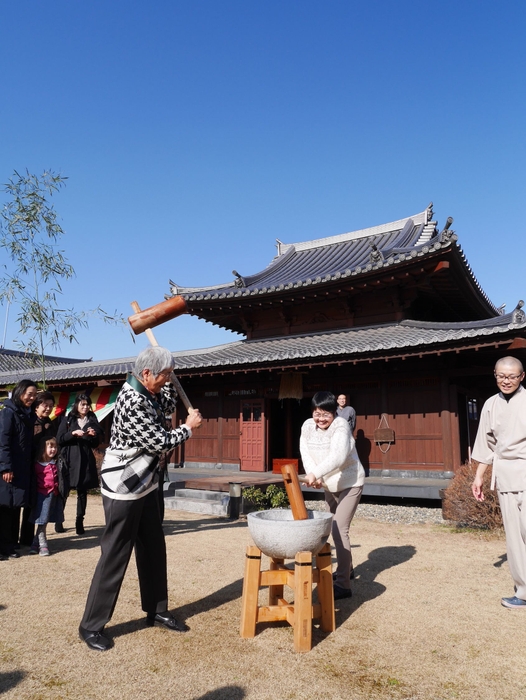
column 391, row 316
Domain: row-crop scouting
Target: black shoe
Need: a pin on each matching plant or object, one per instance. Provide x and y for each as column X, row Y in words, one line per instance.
column 79, row 526
column 14, row 555
column 165, row 619
column 340, row 592
column 59, row 527
column 3, row 557
column 95, row 640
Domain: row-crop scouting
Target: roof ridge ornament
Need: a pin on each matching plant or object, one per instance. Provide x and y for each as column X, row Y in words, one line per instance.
column 429, row 212
column 239, row 281
column 376, row 255
column 447, row 232
column 518, row 315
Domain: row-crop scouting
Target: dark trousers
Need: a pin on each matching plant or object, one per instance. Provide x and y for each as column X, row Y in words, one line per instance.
column 27, row 530
column 129, row 524
column 160, row 494
column 82, row 500
column 9, row 523
column 15, row 525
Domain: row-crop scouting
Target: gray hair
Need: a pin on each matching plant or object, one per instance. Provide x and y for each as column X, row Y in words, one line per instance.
column 155, row 358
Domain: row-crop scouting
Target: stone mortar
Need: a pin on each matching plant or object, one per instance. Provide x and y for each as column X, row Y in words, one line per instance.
column 279, row 536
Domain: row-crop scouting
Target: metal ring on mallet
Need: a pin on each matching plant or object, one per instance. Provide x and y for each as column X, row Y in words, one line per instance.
column 153, row 341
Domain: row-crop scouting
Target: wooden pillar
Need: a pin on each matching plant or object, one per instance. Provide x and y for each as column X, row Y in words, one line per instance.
column 384, row 403
column 303, row 601
column 289, row 441
column 455, row 426
column 326, row 589
column 249, row 607
column 447, row 446
column 220, row 426
column 275, row 592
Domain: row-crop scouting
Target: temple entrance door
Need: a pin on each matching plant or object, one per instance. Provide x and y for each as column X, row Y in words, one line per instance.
column 252, row 435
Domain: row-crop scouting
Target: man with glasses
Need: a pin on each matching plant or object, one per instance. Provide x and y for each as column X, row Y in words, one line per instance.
column 501, row 442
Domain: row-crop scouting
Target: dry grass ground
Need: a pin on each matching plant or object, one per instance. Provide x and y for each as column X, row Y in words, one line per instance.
column 425, row 622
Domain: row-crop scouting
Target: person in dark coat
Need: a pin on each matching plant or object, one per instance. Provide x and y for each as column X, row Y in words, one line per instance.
column 44, row 427
column 78, row 434
column 16, row 468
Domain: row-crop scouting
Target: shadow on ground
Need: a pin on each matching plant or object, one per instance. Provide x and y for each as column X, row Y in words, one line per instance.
column 366, row 588
column 227, row 692
column 71, row 541
column 501, row 560
column 11, row 679
column 228, row 593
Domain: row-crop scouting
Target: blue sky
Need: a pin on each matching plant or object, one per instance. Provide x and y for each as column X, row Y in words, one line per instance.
column 195, row 133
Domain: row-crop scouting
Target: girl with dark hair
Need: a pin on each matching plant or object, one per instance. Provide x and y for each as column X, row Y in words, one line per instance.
column 16, row 439
column 78, row 434
column 331, row 462
column 44, row 427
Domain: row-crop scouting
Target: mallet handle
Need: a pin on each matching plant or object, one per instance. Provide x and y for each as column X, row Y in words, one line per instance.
column 153, row 341
column 292, row 485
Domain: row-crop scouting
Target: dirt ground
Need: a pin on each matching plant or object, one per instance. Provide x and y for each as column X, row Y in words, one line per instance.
column 425, row 622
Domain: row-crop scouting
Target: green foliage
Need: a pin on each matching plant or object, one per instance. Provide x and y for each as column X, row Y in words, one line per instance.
column 256, row 497
column 277, row 496
column 273, row 497
column 30, row 235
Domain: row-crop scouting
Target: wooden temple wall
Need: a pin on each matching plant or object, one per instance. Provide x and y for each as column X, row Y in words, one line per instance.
column 421, row 410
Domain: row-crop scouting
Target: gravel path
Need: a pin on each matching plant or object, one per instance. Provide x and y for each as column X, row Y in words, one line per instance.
column 388, row 513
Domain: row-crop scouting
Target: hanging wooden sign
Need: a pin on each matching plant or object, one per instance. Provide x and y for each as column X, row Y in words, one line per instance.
column 384, row 435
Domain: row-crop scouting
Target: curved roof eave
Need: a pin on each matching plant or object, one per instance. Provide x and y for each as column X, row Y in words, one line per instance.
column 325, row 260
column 287, row 250
column 362, row 341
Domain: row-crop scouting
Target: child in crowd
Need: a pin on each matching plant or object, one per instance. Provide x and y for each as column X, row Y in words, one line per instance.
column 49, row 506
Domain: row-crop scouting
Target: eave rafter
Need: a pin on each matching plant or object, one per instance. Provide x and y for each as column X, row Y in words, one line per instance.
column 366, row 358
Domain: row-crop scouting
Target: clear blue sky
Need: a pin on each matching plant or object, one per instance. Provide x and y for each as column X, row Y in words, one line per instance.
column 194, row 133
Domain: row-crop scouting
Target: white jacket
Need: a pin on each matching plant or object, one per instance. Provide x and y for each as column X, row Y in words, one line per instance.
column 331, row 455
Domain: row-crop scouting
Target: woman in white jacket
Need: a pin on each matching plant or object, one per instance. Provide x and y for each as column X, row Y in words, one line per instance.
column 331, row 462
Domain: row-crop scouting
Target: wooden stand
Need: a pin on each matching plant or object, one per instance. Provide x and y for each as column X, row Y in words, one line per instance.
column 301, row 612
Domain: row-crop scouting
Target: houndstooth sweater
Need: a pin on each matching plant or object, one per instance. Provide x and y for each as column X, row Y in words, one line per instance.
column 138, row 437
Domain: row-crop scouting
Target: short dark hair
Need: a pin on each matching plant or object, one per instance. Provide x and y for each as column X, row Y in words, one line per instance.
column 43, row 396
column 20, row 389
column 324, row 400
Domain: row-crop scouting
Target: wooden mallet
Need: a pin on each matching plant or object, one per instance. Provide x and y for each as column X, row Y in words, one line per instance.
column 145, row 317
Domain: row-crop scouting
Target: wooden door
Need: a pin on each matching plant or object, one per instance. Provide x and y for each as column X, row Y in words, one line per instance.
column 252, row 435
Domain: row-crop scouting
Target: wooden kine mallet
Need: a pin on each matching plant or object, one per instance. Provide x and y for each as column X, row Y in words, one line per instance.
column 142, row 322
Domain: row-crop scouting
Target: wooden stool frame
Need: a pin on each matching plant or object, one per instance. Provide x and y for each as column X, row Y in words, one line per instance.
column 301, row 612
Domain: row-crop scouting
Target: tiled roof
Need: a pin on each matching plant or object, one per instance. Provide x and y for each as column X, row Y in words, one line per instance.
column 367, row 341
column 15, row 360
column 303, row 265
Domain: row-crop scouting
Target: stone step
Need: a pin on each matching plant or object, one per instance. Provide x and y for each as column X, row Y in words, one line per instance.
column 197, row 501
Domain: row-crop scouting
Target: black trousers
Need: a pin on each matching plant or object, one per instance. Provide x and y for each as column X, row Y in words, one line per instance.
column 82, row 500
column 27, row 529
column 9, row 524
column 129, row 524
